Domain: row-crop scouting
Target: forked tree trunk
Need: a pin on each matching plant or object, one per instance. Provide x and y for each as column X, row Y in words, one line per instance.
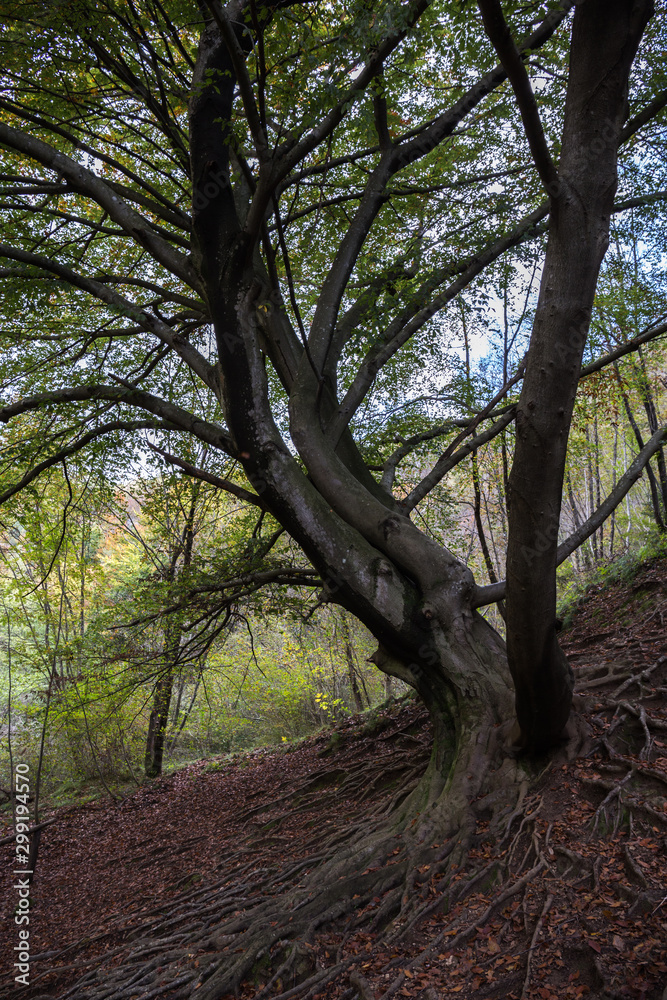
column 605, row 37
column 411, row 593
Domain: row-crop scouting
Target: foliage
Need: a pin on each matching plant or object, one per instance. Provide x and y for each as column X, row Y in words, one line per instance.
column 84, row 640
column 623, row 569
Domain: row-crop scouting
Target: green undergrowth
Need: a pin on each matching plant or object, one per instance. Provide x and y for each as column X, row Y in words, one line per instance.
column 623, row 570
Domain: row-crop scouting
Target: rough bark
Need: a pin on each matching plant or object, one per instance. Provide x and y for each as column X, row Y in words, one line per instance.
column 604, row 42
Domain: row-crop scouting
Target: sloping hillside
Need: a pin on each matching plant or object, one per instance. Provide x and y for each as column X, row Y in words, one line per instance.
column 146, row 898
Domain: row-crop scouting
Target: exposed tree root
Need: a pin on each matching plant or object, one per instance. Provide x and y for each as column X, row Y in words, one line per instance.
column 533, row 944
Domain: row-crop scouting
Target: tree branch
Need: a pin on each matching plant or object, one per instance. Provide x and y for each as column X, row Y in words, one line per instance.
column 108, row 428
column 400, row 332
column 449, row 460
column 445, row 124
column 208, row 477
column 410, row 321
column 624, row 485
column 87, row 183
column 452, row 458
column 291, row 152
column 393, row 159
column 196, row 361
column 206, row 431
column 631, row 345
column 500, row 36
column 652, row 109
column 160, row 206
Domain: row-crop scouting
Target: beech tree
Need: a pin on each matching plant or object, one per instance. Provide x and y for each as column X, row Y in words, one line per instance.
column 275, row 203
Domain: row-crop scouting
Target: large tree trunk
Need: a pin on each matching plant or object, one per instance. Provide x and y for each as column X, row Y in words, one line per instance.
column 411, row 593
column 605, row 37
column 471, row 728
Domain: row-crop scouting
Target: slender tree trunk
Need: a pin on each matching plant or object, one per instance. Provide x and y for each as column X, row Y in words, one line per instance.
column 605, row 36
column 352, row 674
column 488, row 561
column 352, row 668
column 171, row 743
column 650, row 475
column 159, row 718
column 577, row 522
column 652, row 416
column 612, row 530
column 157, row 725
column 591, row 497
column 180, row 687
column 598, row 486
column 628, row 508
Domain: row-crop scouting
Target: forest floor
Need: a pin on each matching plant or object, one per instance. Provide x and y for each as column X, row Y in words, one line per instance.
column 590, row 920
